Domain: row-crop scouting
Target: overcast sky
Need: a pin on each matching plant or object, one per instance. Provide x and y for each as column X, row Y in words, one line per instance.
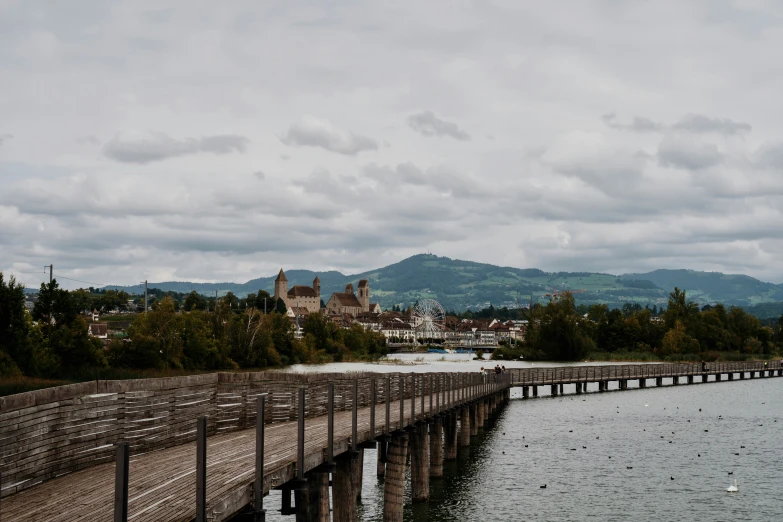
column 219, row 141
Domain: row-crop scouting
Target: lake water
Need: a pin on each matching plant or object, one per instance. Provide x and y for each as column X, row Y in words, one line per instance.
column 582, row 446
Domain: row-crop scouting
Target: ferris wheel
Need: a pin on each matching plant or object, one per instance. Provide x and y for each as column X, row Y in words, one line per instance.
column 428, row 318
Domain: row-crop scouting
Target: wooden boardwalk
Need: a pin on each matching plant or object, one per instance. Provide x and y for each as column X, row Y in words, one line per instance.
column 163, row 483
column 57, row 445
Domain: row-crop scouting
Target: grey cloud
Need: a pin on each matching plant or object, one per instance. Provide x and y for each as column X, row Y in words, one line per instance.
column 428, row 124
column 638, row 124
column 259, row 175
column 688, row 154
column 698, row 123
column 693, row 123
column 770, row 155
column 159, row 146
column 313, row 132
column 5, row 137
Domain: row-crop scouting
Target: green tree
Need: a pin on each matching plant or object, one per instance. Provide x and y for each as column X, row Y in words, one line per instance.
column 15, row 350
column 195, row 301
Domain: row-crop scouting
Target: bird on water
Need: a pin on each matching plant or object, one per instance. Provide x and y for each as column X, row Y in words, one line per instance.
column 733, row 488
column 543, row 487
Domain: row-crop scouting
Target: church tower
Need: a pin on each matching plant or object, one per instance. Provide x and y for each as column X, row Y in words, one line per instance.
column 317, row 286
column 364, row 295
column 281, row 286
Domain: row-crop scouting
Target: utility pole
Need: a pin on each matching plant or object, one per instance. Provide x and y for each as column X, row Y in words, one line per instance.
column 51, row 270
column 145, row 296
column 264, row 305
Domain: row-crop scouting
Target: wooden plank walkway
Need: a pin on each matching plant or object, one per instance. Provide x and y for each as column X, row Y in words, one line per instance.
column 572, row 374
column 163, row 483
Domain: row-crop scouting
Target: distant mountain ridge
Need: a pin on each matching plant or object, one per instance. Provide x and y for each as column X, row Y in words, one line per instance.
column 460, row 285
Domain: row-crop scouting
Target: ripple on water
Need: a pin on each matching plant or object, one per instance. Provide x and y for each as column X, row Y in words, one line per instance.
column 485, row 484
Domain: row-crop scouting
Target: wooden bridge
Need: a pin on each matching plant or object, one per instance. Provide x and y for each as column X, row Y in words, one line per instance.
column 209, row 447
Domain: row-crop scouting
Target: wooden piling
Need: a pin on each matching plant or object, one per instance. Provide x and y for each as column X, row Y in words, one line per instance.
column 464, row 421
column 450, row 436
column 553, row 390
column 525, row 392
column 312, row 500
column 473, row 414
column 535, row 390
column 579, row 388
column 343, row 482
column 659, row 381
column 394, row 484
column 436, row 448
column 420, row 463
column 357, row 475
column 561, row 389
column 381, row 467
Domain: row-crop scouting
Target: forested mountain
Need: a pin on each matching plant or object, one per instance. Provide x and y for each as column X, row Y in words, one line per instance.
column 460, row 285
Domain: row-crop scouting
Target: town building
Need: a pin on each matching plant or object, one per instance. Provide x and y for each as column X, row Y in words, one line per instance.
column 299, row 296
column 351, row 303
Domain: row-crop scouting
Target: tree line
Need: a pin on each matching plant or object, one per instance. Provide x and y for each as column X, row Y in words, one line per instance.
column 681, row 331
column 53, row 340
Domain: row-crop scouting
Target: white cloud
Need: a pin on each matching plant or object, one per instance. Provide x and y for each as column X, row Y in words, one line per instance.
column 234, row 182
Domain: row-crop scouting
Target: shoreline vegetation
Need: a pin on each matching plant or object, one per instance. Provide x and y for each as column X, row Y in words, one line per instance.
column 51, row 345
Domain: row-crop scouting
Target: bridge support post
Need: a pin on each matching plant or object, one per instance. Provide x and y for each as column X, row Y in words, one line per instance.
column 121, row 482
column 436, row 448
column 201, row 470
column 553, row 390
column 642, row 383
column 718, row 377
column 602, row 386
column 535, row 390
column 420, row 463
column 742, row 376
column 473, row 413
column 343, row 481
column 394, row 485
column 464, row 421
column 381, row 467
column 705, row 377
column 357, row 476
column 659, row 381
column 731, row 376
column 312, row 501
column 752, row 375
column 525, row 392
column 579, row 388
column 690, row 379
column 561, row 389
column 450, row 442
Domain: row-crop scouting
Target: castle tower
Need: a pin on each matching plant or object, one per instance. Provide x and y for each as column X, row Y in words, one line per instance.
column 364, row 295
column 317, row 286
column 281, row 286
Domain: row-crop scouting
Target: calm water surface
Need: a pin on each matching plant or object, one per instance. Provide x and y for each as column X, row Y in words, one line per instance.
column 582, row 446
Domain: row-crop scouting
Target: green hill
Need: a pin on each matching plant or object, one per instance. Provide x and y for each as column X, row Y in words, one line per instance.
column 460, row 285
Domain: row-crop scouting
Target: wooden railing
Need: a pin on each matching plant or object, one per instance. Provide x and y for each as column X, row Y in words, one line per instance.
column 54, row 431
column 570, row 374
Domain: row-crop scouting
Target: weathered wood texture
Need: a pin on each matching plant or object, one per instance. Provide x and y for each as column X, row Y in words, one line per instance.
column 50, row 432
column 162, row 481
